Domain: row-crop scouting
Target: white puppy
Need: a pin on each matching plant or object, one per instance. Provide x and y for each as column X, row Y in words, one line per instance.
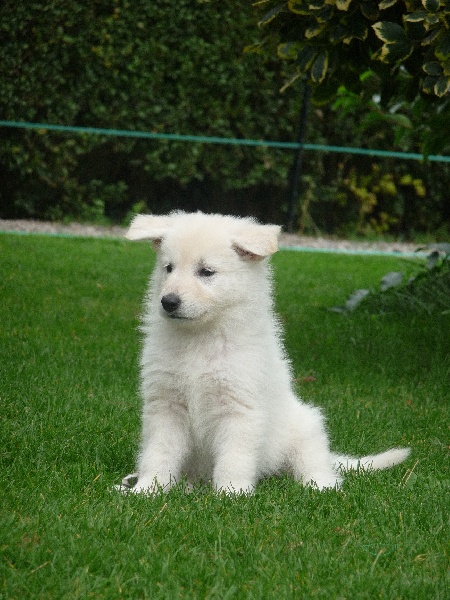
column 216, row 384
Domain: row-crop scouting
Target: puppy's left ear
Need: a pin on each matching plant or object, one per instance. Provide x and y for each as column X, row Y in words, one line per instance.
column 256, row 242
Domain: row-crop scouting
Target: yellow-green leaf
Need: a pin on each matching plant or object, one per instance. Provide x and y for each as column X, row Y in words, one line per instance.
column 416, row 17
column 428, row 84
column 358, row 30
column 343, row 4
column 429, row 39
column 431, row 5
column 388, row 32
column 299, row 7
column 305, row 57
column 442, row 86
column 270, row 16
column 320, row 67
column 288, row 50
column 314, row 30
column 432, row 68
column 394, row 52
column 386, row 4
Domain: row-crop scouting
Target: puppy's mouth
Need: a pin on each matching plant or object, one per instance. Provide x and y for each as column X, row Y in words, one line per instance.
column 178, row 317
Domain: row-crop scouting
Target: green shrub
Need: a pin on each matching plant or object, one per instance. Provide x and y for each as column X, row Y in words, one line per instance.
column 427, row 291
column 181, row 68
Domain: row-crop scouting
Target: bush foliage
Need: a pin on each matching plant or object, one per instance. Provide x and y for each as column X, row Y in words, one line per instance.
column 156, row 66
column 139, row 66
column 334, row 41
column 427, row 291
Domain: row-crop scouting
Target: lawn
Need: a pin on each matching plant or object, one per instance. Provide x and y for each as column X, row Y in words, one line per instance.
column 70, row 424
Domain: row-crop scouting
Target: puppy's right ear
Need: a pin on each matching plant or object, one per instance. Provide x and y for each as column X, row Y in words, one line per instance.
column 148, row 227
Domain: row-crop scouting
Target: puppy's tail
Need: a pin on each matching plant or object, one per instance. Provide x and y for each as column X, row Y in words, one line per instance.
column 384, row 460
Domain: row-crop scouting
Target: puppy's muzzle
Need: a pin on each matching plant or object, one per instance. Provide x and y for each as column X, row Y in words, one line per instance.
column 170, row 303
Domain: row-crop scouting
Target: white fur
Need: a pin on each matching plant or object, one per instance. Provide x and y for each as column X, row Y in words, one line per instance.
column 218, row 403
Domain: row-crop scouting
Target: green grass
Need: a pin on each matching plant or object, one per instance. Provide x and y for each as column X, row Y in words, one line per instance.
column 70, row 427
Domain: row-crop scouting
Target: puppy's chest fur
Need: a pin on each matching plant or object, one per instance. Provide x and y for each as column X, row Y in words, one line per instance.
column 205, row 376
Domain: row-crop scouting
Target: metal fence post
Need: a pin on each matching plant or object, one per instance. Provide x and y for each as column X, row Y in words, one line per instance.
column 294, row 188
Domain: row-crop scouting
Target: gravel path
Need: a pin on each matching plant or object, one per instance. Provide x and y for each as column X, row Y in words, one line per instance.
column 77, row 229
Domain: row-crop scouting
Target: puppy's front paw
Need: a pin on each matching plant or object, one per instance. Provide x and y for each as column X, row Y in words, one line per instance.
column 127, row 483
column 145, row 490
column 151, row 485
column 133, row 484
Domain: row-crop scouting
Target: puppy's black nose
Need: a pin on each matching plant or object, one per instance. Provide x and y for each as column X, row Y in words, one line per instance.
column 170, row 302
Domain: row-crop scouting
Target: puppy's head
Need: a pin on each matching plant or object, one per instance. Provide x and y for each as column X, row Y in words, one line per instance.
column 207, row 264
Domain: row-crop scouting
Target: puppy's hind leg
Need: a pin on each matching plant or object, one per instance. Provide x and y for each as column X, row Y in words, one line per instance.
column 312, row 461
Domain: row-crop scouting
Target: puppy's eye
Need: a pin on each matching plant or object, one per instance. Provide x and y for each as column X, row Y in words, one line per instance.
column 205, row 272
column 168, row 268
